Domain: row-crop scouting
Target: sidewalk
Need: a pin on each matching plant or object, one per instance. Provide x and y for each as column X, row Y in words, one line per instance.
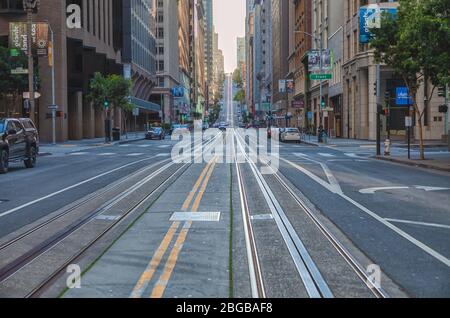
column 441, row 163
column 85, row 144
column 336, row 142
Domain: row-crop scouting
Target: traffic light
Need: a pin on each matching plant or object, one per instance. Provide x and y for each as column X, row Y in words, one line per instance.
column 106, row 103
column 441, row 91
column 375, row 88
column 387, row 96
column 322, row 103
column 443, row 109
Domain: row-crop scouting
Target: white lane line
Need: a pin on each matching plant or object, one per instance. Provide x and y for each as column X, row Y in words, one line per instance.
column 352, row 155
column 326, row 155
column 373, row 190
column 72, row 187
column 331, row 178
column 134, row 154
column 144, row 146
column 400, row 232
column 164, row 146
column 78, row 153
column 419, row 223
column 107, row 154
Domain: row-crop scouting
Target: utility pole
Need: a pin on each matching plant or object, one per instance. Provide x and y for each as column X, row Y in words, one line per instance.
column 29, row 6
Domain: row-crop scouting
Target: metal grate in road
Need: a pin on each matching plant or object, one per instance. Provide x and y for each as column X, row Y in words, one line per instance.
column 196, row 216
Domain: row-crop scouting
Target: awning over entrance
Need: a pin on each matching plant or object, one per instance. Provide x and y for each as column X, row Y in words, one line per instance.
column 143, row 104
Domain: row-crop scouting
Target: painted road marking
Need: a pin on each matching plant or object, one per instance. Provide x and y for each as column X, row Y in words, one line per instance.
column 147, row 275
column 127, row 145
column 419, row 223
column 78, row 153
column 373, row 190
column 108, row 217
column 424, row 188
column 164, row 146
column 327, row 155
column 144, row 146
column 107, row 154
column 73, row 186
column 397, row 230
column 160, row 286
column 428, row 189
column 135, row 154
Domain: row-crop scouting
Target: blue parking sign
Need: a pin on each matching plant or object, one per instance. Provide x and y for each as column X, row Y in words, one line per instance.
column 402, row 97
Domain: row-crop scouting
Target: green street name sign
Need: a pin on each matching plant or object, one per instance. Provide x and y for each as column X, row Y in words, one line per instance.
column 316, row 77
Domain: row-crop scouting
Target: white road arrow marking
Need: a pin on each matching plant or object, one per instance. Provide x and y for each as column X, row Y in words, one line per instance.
column 428, row 189
column 373, row 190
column 327, row 155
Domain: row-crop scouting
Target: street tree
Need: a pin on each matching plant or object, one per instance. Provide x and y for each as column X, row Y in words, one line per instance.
column 237, row 78
column 415, row 44
column 12, row 85
column 119, row 91
column 240, row 96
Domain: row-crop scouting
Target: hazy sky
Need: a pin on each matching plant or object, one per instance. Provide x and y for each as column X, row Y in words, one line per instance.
column 229, row 19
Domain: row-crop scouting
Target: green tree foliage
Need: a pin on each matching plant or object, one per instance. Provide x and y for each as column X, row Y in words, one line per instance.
column 416, row 45
column 237, row 77
column 240, row 97
column 12, row 84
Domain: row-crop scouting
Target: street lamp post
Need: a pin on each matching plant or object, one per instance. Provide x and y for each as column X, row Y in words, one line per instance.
column 29, row 6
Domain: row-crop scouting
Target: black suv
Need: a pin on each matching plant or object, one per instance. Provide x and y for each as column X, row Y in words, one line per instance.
column 18, row 142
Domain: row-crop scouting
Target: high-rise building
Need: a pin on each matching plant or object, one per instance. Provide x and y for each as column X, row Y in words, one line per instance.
column 249, row 52
column 139, row 59
column 280, row 55
column 78, row 54
column 300, row 42
column 209, row 38
column 167, row 58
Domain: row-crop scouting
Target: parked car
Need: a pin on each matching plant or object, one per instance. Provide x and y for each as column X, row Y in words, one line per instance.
column 17, row 143
column 31, row 130
column 155, row 133
column 276, row 133
column 291, row 134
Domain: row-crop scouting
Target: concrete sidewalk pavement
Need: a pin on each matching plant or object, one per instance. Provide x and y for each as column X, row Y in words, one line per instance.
column 85, row 144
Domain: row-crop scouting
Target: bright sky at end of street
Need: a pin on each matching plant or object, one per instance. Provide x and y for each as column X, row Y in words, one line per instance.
column 229, row 20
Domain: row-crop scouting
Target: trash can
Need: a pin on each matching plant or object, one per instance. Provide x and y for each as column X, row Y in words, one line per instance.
column 116, row 134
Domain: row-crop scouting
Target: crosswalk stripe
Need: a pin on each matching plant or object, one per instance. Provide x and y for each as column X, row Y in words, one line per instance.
column 164, row 146
column 107, row 154
column 135, row 154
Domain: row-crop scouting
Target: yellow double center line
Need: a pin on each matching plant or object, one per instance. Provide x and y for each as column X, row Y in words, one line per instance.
column 147, row 275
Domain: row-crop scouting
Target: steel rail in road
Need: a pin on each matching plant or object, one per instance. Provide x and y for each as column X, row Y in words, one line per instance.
column 355, row 265
column 314, row 283
column 13, row 267
column 79, row 203
column 256, row 279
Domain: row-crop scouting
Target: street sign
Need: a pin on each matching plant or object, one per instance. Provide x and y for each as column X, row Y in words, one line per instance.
column 26, row 95
column 15, row 52
column 19, row 70
column 136, row 111
column 53, row 107
column 317, row 77
column 408, row 121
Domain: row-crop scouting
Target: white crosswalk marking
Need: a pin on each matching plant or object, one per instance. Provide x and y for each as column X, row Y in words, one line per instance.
column 126, row 145
column 106, row 154
column 352, row 155
column 164, row 146
column 328, row 155
column 144, row 146
column 135, row 154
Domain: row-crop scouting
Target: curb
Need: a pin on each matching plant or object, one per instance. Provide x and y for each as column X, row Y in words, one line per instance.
column 412, row 164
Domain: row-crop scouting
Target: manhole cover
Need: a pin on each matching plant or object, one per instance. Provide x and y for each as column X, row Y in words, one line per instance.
column 196, row 216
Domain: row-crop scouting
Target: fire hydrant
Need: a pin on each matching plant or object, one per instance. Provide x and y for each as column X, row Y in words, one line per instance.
column 387, row 147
